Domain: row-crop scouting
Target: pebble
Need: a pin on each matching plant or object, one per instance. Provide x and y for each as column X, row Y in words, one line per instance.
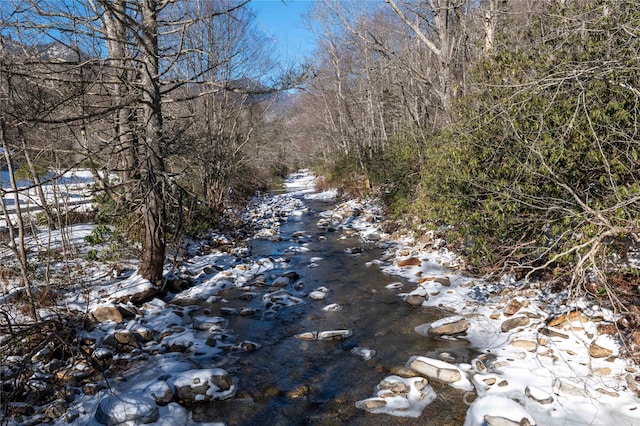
column 364, row 353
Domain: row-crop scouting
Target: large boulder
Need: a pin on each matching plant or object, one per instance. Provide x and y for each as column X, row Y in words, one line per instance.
column 131, row 408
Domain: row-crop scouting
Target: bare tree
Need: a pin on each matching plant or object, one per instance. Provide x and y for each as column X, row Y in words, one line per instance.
column 436, row 23
column 160, row 55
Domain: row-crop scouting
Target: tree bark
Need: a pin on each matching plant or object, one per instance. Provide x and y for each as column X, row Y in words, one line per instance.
column 153, row 208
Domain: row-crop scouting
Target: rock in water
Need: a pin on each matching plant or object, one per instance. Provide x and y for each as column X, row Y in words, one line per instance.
column 440, row 371
column 308, row 335
column 449, row 325
column 203, row 385
column 134, row 408
column 334, row 334
column 415, row 299
column 364, row 353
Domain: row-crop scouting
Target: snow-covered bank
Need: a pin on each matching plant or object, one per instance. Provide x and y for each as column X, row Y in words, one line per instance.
column 69, row 190
column 145, row 363
column 542, row 362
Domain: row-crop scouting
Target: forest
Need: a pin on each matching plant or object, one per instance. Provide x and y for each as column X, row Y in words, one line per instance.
column 510, row 128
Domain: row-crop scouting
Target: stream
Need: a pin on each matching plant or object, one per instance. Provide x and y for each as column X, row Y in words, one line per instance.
column 291, row 381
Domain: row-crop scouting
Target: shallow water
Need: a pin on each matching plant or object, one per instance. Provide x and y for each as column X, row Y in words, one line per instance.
column 290, row 381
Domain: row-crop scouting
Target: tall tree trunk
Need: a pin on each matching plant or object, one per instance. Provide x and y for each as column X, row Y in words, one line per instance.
column 17, row 242
column 115, row 27
column 153, row 208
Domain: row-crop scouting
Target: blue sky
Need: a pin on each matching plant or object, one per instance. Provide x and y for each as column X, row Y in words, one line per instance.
column 282, row 20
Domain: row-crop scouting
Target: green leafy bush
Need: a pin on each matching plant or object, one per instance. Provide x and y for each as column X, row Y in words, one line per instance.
column 539, row 171
column 394, row 171
column 100, row 235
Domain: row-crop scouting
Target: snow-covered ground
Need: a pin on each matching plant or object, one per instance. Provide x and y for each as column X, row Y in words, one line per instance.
column 542, row 362
column 70, row 189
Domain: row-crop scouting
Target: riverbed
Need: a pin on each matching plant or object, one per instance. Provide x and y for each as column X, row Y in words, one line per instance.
column 294, row 381
column 319, row 317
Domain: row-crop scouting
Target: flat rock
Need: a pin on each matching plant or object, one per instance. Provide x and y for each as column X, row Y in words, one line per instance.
column 410, row 261
column 450, row 325
column 603, row 371
column 566, row 318
column 496, row 410
column 402, row 371
column 444, row 281
column 317, row 295
column 552, row 333
column 307, row 335
column 107, row 313
column 598, row 351
column 527, row 345
column 334, row 334
column 514, row 322
column 394, row 286
column 504, row 421
column 373, row 403
column 512, row 307
column 539, row 396
column 440, row 371
column 570, row 388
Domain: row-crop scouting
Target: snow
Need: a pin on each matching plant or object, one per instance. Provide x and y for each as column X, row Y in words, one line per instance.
column 135, row 284
column 300, row 182
column 521, row 374
column 70, row 188
column 401, row 404
column 496, row 406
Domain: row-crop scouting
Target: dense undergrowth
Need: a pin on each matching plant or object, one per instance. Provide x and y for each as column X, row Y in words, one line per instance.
column 536, row 175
